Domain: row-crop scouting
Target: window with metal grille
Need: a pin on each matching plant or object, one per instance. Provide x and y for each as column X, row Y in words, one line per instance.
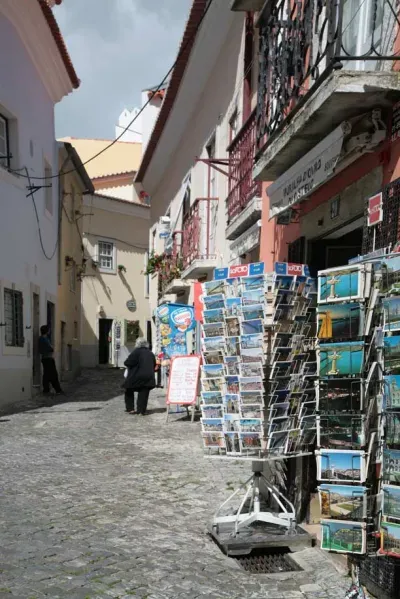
column 4, row 142
column 48, row 189
column 387, row 233
column 106, row 255
column 13, row 316
column 296, row 250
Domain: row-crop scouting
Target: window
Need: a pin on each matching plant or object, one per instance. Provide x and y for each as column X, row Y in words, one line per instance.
column 75, row 329
column 13, row 316
column 187, row 196
column 72, row 277
column 106, row 255
column 48, row 190
column 4, row 143
column 233, row 126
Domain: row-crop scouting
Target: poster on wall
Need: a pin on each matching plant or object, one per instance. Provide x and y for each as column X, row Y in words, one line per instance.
column 175, row 321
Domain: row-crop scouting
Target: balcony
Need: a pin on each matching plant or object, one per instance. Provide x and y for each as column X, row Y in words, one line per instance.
column 246, row 5
column 244, row 198
column 199, row 239
column 321, row 63
column 170, row 281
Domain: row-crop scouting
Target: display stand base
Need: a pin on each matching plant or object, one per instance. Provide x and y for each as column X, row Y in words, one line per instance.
column 192, row 406
column 252, row 527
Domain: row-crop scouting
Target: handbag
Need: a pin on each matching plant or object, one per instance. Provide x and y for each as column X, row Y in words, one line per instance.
column 126, row 371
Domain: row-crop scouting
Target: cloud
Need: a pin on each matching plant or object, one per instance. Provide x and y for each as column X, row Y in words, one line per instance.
column 118, row 47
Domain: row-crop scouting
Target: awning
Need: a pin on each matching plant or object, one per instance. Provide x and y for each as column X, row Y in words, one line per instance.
column 309, row 173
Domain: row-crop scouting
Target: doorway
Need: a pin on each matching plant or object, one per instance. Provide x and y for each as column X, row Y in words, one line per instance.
column 50, row 320
column 149, row 333
column 328, row 253
column 35, row 339
column 105, row 327
column 63, row 362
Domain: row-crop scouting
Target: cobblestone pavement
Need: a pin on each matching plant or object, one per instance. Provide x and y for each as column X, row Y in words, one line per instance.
column 98, row 504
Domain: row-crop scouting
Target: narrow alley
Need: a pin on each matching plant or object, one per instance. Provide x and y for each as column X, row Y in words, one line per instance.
column 97, row 504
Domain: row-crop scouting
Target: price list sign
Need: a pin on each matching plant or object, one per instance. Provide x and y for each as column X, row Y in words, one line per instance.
column 183, row 380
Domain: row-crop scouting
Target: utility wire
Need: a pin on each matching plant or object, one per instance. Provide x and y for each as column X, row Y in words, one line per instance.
column 180, row 53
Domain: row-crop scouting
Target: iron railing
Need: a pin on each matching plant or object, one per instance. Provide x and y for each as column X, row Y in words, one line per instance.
column 303, row 41
column 242, row 187
column 173, row 264
column 196, row 238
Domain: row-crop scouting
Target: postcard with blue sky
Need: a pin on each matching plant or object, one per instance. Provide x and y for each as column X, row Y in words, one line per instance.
column 341, row 359
column 343, row 536
column 340, row 466
column 391, row 392
column 391, row 311
column 391, row 502
column 340, row 284
column 392, row 354
column 343, row 501
column 340, row 321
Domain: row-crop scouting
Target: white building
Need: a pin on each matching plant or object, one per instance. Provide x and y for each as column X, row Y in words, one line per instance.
column 36, row 75
column 197, row 165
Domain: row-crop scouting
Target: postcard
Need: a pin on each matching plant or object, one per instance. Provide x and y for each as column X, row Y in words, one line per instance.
column 232, row 288
column 392, row 354
column 231, row 403
column 390, row 275
column 210, row 425
column 390, row 538
column 252, row 341
column 343, row 536
column 340, row 321
column 233, row 306
column 232, row 364
column 217, row 385
column 233, row 346
column 253, row 312
column 278, row 410
column 253, row 297
column 280, row 423
column 214, row 302
column 232, row 443
column 211, row 397
column 213, row 440
column 232, row 384
column 250, row 283
column 391, row 312
column 277, row 441
column 212, row 371
column 343, row 501
column 343, row 283
column 284, row 282
column 251, row 411
column 215, row 329
column 255, row 354
column 251, row 397
column 340, row 431
column 232, row 326
column 308, row 408
column 251, row 425
column 293, row 439
column 250, row 441
column 343, row 359
column 391, row 392
column 391, row 502
column 391, row 466
column 393, row 428
column 212, row 316
column 334, row 465
column 211, row 411
column 213, row 343
column 308, row 436
column 339, row 395
column 251, row 369
column 251, row 327
column 254, row 383
column 214, row 287
column 231, row 423
column 213, row 357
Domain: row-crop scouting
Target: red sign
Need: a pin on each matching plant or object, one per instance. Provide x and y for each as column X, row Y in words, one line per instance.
column 241, row 270
column 375, row 212
column 294, row 269
column 198, row 302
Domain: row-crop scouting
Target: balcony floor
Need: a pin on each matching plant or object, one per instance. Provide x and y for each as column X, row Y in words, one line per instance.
column 343, row 95
column 176, row 286
column 243, row 221
column 199, row 268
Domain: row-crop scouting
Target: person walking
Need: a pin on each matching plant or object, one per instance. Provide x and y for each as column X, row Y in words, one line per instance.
column 141, row 366
column 50, row 374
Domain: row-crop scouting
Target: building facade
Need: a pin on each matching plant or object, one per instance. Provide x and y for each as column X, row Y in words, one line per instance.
column 37, row 74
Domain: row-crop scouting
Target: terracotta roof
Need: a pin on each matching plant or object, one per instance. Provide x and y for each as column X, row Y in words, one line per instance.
column 59, row 40
column 122, row 157
column 189, row 37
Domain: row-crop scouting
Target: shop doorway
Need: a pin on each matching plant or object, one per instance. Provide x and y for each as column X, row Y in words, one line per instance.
column 105, row 328
column 328, row 252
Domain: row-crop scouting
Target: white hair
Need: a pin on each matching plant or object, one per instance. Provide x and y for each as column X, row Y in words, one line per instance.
column 141, row 342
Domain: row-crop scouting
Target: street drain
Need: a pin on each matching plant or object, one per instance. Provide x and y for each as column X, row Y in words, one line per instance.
column 268, row 561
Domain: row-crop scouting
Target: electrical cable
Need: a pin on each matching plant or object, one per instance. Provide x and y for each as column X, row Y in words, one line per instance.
column 154, row 92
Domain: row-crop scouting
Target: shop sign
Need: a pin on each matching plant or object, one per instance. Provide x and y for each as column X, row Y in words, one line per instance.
column 375, row 210
column 198, row 302
column 174, row 322
column 370, row 256
column 309, row 173
column 183, row 380
column 131, row 305
column 240, row 270
column 288, row 268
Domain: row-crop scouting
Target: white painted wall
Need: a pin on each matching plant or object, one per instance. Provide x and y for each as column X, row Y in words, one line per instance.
column 122, row 192
column 149, row 117
column 132, row 133
column 24, row 99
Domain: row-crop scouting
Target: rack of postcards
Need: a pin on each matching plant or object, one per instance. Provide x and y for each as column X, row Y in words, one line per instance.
column 259, row 363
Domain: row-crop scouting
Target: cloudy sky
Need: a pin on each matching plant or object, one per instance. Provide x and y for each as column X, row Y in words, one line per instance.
column 118, row 47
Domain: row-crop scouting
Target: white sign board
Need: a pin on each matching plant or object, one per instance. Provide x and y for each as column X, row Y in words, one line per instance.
column 183, row 380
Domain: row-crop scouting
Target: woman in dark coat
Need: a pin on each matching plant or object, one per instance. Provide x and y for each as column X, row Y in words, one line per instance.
column 141, row 365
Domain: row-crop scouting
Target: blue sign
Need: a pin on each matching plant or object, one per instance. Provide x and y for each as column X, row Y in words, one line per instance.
column 176, row 320
column 239, row 270
column 287, row 268
column 164, row 234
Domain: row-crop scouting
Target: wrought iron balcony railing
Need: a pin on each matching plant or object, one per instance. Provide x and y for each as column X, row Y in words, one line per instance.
column 303, row 41
column 242, row 187
column 173, row 264
column 198, row 239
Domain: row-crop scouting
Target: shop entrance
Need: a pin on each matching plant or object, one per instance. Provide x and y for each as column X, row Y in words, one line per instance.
column 105, row 326
column 331, row 252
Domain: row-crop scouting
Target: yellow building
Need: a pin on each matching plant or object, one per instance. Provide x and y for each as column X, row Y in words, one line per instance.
column 115, row 305
column 71, row 260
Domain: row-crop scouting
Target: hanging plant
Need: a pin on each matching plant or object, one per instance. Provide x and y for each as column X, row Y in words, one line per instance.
column 94, row 264
column 121, row 268
column 155, row 263
column 68, row 260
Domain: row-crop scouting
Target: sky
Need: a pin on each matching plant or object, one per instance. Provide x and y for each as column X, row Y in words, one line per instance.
column 118, row 48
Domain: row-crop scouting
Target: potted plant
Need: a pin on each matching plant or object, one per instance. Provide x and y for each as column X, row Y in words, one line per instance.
column 121, row 268
column 155, row 263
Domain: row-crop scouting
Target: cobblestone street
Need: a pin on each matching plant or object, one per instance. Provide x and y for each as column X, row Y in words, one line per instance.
column 97, row 504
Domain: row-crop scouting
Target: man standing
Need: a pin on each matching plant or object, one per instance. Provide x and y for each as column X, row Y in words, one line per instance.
column 50, row 374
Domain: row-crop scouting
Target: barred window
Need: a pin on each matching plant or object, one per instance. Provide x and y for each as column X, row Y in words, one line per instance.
column 106, row 255
column 13, row 316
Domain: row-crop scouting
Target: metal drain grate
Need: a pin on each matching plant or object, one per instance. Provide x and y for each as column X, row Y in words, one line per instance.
column 268, row 561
